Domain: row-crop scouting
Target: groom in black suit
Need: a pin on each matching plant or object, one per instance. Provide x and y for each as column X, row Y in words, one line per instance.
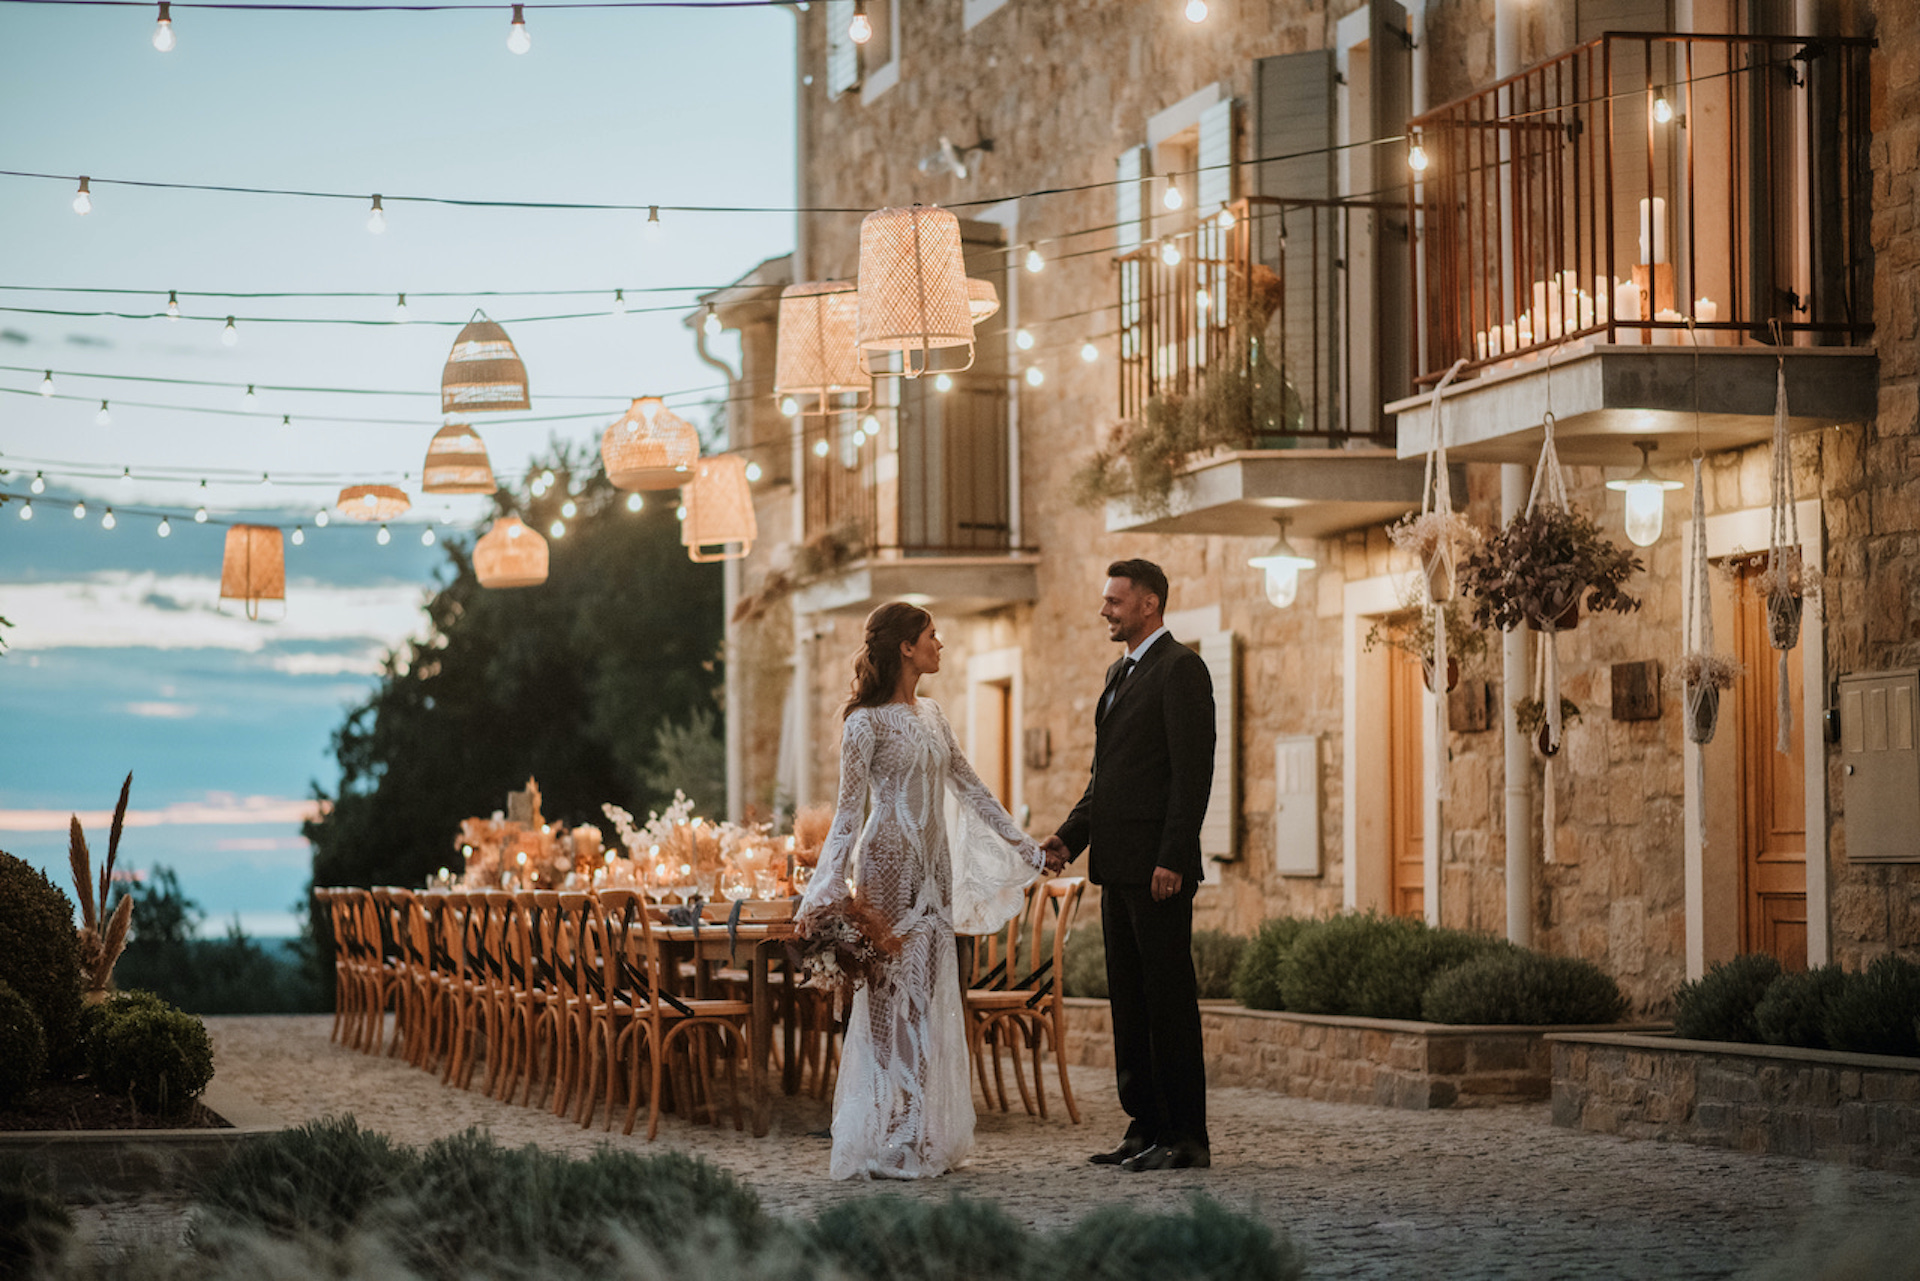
column 1152, row 772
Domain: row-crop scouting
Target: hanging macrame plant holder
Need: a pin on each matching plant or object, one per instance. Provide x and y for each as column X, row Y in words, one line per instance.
column 1436, row 498
column 1785, row 599
column 1556, row 615
column 1703, row 696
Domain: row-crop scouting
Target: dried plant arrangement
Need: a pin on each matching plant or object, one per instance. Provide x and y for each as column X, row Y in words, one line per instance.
column 810, row 827
column 102, row 937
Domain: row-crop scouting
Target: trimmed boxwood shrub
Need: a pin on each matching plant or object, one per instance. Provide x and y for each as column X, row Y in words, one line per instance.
column 1119, row 1243
column 153, row 1054
column 1373, row 966
column 318, row 1179
column 1794, row 1010
column 1874, row 1011
column 1521, row 988
column 1216, row 954
column 1719, row 1005
column 909, row 1239
column 40, row 957
column 1256, row 980
column 23, row 1046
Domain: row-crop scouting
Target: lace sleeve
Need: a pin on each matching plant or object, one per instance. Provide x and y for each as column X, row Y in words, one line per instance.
column 993, row 860
column 829, row 883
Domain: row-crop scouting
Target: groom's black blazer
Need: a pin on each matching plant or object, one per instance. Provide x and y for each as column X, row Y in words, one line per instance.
column 1152, row 771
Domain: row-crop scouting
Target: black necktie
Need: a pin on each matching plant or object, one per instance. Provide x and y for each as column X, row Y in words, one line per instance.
column 1113, row 686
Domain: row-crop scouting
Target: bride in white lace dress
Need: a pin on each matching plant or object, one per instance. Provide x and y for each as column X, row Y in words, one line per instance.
column 903, row 1107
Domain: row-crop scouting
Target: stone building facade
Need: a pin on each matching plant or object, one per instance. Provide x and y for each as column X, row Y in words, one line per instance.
column 1324, row 802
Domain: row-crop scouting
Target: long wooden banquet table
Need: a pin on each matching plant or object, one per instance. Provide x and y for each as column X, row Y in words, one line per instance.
column 763, row 942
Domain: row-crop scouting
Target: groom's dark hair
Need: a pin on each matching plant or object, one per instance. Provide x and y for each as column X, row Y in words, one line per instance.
column 1143, row 574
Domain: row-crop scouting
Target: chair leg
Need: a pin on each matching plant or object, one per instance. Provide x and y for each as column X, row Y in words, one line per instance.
column 1039, row 1082
column 1059, row 1040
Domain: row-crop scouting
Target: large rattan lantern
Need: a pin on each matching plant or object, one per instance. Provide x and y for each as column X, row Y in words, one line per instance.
column 719, row 510
column 372, row 502
column 982, row 299
column 649, row 447
column 510, row 555
column 913, row 285
column 254, row 567
column 457, row 463
column 816, row 355
column 483, row 372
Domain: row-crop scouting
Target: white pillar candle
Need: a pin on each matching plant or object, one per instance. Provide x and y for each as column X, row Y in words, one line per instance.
column 1669, row 337
column 1626, row 300
column 1653, row 230
column 1480, row 345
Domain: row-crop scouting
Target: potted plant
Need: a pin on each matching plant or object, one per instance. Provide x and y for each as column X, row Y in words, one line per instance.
column 1530, row 717
column 1411, row 632
column 1438, row 540
column 1786, row 582
column 1701, row 677
column 1540, row 566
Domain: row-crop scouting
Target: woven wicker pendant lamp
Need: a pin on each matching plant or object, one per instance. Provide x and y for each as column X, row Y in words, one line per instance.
column 913, row 285
column 457, row 463
column 372, row 502
column 254, row 567
column 510, row 555
column 483, row 373
column 983, row 300
column 649, row 447
column 816, row 355
column 719, row 510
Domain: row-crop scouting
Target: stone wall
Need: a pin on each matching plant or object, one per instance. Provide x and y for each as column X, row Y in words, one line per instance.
column 1854, row 1109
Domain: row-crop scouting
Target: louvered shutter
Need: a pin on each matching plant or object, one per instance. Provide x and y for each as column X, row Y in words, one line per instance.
column 1293, row 115
column 1215, row 186
column 1130, row 171
column 1217, row 833
column 843, row 55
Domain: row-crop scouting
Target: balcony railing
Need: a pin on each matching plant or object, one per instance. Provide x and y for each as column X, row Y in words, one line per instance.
column 1648, row 188
column 1260, row 317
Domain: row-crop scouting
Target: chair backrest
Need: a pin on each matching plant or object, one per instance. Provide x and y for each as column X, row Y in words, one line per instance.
column 1056, row 904
column 494, row 943
column 570, row 910
column 537, row 909
column 1003, row 958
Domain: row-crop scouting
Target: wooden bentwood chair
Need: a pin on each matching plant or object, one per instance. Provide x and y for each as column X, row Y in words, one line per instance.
column 1025, row 1012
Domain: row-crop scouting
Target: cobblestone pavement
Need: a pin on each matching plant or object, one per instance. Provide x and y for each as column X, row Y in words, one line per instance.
column 1368, row 1192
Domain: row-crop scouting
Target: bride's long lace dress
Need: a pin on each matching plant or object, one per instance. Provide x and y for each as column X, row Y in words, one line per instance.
column 903, row 1107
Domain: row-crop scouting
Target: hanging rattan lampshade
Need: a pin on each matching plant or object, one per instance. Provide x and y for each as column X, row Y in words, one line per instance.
column 372, row 502
column 255, row 567
column 816, row 355
column 510, row 555
column 650, row 447
column 913, row 285
column 457, row 463
column 483, row 372
column 982, row 298
column 719, row 510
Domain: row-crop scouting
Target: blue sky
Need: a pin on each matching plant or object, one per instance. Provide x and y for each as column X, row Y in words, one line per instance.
column 121, row 656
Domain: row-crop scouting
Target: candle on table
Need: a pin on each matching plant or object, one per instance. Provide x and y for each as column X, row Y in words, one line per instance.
column 1653, row 230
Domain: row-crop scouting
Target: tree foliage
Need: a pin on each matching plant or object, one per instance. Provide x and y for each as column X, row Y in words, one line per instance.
column 232, row 974
column 577, row 682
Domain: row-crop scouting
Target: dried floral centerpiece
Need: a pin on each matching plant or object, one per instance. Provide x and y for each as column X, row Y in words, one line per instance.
column 1539, row 568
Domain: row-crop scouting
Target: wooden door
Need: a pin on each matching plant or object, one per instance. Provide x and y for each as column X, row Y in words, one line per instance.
column 1773, row 815
column 993, row 738
column 1406, row 815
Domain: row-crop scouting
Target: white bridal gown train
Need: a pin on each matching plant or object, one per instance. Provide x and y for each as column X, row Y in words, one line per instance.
column 903, row 1107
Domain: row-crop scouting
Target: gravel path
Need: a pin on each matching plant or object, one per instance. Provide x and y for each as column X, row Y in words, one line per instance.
column 1369, row 1192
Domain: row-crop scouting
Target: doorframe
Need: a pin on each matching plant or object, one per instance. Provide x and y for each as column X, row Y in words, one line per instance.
column 1360, row 599
column 990, row 668
column 1728, row 533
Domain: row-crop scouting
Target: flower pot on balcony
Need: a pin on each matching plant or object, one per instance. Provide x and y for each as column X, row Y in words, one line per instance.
column 1453, row 673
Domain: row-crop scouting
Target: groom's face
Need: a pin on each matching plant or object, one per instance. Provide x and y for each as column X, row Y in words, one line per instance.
column 1127, row 608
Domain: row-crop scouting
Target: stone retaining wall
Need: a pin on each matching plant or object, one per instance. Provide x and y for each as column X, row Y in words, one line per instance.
column 1852, row 1109
column 1346, row 1060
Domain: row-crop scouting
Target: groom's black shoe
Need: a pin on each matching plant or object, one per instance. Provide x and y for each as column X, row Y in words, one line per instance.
column 1128, row 1149
column 1178, row 1156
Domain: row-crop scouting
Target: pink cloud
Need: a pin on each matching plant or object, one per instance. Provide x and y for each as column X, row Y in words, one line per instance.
column 217, row 809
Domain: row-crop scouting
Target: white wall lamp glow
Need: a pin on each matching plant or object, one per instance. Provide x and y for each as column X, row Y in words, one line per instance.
column 1196, row 11
column 1646, row 498
column 1282, row 565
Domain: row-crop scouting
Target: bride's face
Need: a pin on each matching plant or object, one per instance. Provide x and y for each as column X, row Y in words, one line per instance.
column 924, row 654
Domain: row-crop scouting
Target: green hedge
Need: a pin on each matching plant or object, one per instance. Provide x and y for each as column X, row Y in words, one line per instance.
column 1524, row 988
column 40, row 957
column 1373, row 966
column 141, row 1048
column 1793, row 1010
column 23, row 1046
column 1256, row 980
column 1719, row 1005
column 1749, row 999
column 1874, row 1011
column 1216, row 957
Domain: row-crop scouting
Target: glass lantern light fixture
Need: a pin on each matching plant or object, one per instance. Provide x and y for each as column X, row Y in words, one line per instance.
column 1282, row 565
column 1646, row 498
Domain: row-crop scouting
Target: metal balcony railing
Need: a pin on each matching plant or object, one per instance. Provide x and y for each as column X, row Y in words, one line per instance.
column 1258, row 318
column 1648, row 188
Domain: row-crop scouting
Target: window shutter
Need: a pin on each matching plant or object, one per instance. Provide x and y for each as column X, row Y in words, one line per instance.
column 1393, row 294
column 843, row 55
column 1217, row 833
column 1215, row 185
column 1293, row 115
column 1131, row 171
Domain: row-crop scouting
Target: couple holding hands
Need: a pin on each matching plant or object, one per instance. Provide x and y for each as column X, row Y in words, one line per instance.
column 903, row 1106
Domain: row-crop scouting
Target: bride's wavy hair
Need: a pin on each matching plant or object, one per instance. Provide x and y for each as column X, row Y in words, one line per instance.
column 876, row 664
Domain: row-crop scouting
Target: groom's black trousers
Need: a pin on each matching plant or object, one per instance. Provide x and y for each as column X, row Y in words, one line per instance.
column 1158, row 1060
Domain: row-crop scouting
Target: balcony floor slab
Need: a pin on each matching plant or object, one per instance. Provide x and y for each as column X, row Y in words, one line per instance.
column 1605, row 396
column 1320, row 491
column 950, row 585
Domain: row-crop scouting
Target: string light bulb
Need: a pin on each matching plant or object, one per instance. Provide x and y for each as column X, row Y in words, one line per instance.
column 712, row 323
column 320, row 518
column 250, row 401
column 517, row 38
column 286, row 420
column 79, row 511
column 83, row 199
column 1035, row 263
column 105, row 417
column 1662, row 114
column 1023, row 339
column 384, row 537
column 1226, row 219
column 653, row 228
column 1034, row 376
column 1202, row 299
column 173, row 305
column 107, row 521
column 400, row 310
column 753, row 474
column 1089, row 352
column 569, row 509
column 126, row 475
column 789, row 407
column 39, row 485
column 635, row 502
column 558, row 529
column 1417, row 159
column 299, row 535
column 1170, row 253
column 230, row 336
column 1196, row 11
column 163, row 29
column 26, row 510
column 943, row 383
column 860, row 30
column 426, row 536
column 820, row 446
column 376, row 217
column 46, row 384
column 200, row 514
column 1172, row 199
column 165, row 528
column 619, row 302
